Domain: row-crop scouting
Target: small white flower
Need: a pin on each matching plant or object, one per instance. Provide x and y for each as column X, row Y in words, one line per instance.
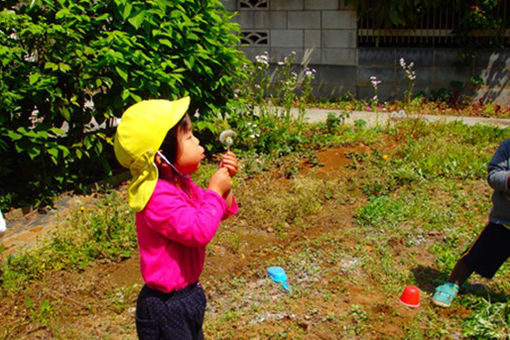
column 402, row 62
column 262, row 58
column 281, row 63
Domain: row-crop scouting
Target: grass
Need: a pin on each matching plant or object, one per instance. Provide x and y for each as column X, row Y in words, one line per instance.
column 411, row 198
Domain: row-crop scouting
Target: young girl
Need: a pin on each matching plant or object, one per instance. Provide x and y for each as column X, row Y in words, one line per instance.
column 175, row 219
column 490, row 250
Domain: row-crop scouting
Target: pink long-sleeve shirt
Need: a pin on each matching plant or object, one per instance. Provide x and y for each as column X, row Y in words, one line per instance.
column 173, row 230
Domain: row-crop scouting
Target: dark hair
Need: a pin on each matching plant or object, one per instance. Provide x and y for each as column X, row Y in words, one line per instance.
column 169, row 147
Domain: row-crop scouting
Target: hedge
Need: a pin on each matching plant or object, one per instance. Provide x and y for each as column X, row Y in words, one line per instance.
column 64, row 63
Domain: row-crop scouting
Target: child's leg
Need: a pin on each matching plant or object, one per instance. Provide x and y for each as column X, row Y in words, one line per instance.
column 460, row 273
column 489, row 251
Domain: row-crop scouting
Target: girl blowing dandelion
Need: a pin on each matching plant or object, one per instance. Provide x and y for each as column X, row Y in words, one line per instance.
column 175, row 219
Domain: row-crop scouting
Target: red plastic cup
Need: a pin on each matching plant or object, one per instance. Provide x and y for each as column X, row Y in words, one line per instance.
column 411, row 296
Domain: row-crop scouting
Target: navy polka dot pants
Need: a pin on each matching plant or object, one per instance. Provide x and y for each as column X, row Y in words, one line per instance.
column 171, row 316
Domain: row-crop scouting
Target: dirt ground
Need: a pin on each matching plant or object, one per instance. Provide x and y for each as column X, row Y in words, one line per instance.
column 79, row 295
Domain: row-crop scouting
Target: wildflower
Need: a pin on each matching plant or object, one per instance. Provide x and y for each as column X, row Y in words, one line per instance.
column 374, row 81
column 281, row 63
column 262, row 58
column 82, row 208
column 385, row 157
column 402, row 63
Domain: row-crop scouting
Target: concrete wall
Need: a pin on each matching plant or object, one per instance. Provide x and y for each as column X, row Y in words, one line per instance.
column 323, row 26
column 326, row 32
column 435, row 68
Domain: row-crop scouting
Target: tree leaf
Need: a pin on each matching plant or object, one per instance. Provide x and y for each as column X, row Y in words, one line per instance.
column 166, row 42
column 123, row 74
column 137, row 20
column 34, row 78
column 33, row 152
column 64, row 111
column 51, row 66
column 103, row 17
column 127, row 11
column 54, row 154
column 393, row 15
column 64, row 67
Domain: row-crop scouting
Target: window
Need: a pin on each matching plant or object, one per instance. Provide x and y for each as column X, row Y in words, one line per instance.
column 255, row 38
column 252, row 4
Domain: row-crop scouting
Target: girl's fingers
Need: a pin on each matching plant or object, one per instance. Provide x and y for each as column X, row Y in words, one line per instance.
column 229, row 162
column 230, row 155
column 231, row 170
column 230, row 159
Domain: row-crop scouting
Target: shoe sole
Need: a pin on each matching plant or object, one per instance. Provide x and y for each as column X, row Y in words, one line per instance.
column 441, row 304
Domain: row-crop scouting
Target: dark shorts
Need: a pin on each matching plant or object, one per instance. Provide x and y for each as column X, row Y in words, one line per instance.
column 175, row 315
column 489, row 251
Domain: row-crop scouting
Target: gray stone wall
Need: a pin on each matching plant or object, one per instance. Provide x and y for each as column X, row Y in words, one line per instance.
column 324, row 27
column 326, row 31
column 435, row 68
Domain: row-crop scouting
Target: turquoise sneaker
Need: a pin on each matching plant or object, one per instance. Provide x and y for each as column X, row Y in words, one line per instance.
column 445, row 294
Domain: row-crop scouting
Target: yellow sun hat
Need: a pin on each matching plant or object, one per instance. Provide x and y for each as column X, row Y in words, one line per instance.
column 140, row 133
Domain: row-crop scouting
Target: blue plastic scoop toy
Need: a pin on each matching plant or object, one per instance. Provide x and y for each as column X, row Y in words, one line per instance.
column 278, row 275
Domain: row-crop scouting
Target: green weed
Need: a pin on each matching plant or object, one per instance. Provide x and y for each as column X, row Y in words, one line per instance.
column 103, row 233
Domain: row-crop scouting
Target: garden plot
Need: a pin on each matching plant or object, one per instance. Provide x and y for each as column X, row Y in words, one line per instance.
column 352, row 225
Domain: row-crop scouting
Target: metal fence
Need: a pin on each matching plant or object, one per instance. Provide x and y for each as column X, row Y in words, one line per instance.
column 434, row 28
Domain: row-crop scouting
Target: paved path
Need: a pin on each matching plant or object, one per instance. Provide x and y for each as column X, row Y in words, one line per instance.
column 381, row 118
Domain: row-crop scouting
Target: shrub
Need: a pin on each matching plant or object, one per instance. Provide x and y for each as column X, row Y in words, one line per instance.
column 69, row 62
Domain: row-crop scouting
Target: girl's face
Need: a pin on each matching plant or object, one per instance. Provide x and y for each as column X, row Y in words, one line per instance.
column 189, row 151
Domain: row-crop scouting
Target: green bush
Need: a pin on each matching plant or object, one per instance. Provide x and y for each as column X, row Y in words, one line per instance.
column 64, row 63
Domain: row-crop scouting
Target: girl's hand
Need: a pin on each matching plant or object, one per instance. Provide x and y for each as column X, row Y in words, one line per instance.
column 220, row 182
column 229, row 161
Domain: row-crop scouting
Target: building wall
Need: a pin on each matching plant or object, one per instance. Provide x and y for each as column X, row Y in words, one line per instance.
column 435, row 68
column 324, row 34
